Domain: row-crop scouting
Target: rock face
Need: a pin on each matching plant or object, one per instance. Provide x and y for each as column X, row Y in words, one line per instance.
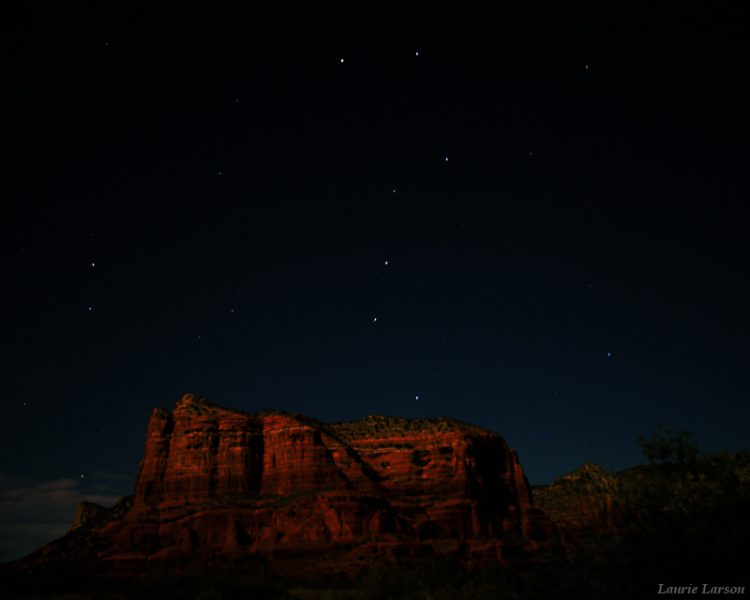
column 287, row 494
column 89, row 514
column 585, row 502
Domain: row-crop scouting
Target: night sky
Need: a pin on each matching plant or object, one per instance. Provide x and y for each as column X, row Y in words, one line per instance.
column 535, row 222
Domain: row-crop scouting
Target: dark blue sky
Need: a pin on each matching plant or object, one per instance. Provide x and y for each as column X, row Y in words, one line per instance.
column 205, row 203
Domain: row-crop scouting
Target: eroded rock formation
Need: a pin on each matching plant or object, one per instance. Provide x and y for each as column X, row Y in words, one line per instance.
column 287, row 494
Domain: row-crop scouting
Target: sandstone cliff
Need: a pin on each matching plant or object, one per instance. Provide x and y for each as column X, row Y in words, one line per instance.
column 287, row 494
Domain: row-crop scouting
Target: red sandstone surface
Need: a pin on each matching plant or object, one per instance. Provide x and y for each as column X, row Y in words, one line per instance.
column 287, row 494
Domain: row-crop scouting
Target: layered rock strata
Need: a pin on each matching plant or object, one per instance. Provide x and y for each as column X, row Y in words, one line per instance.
column 287, row 494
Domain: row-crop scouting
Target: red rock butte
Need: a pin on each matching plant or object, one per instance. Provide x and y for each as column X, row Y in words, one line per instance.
column 287, row 494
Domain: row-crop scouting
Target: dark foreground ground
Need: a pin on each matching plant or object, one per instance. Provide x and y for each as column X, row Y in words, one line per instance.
column 572, row 579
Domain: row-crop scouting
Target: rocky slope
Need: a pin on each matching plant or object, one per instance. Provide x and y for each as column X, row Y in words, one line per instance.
column 671, row 520
column 280, row 493
column 585, row 502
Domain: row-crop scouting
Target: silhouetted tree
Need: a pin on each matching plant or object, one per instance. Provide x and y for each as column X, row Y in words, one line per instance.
column 669, row 447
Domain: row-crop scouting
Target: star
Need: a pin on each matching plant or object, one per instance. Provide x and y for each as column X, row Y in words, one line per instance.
column 91, row 308
column 416, row 397
column 374, row 319
column 586, row 67
column 416, row 53
column 394, row 190
column 82, row 476
column 446, row 159
column 386, row 263
column 93, row 264
column 342, row 60
column 609, row 355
